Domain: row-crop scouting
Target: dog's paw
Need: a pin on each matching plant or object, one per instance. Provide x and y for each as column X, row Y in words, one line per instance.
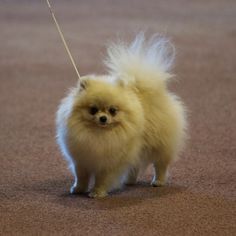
column 158, row 183
column 98, row 194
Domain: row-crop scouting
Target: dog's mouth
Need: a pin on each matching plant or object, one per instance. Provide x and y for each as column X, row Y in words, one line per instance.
column 106, row 125
column 103, row 125
column 99, row 124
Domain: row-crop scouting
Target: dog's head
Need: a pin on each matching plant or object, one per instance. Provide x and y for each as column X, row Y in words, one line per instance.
column 105, row 105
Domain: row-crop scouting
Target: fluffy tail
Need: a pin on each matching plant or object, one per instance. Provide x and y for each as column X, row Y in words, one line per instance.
column 151, row 58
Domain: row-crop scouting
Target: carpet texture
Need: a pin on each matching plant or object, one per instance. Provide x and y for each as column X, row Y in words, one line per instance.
column 35, row 73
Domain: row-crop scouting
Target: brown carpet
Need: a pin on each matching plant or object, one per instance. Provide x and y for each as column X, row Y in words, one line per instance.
column 35, row 73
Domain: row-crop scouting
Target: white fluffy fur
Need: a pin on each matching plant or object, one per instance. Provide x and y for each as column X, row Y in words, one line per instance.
column 155, row 56
column 149, row 126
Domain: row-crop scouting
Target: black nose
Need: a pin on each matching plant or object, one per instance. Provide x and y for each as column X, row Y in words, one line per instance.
column 103, row 119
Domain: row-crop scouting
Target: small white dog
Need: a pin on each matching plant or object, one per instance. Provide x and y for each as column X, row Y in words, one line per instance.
column 110, row 124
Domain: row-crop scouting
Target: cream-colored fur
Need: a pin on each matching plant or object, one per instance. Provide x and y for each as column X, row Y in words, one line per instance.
column 145, row 123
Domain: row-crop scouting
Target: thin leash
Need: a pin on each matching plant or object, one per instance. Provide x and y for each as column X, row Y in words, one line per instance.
column 63, row 39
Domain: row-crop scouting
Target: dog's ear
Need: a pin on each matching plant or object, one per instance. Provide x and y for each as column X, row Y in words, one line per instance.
column 125, row 81
column 121, row 82
column 83, row 83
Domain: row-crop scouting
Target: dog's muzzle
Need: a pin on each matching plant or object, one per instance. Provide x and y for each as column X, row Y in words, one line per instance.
column 103, row 120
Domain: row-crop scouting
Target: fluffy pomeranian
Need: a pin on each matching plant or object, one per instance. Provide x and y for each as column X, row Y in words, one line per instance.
column 118, row 123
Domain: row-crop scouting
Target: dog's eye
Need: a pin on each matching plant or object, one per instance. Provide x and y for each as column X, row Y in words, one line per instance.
column 93, row 110
column 113, row 111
